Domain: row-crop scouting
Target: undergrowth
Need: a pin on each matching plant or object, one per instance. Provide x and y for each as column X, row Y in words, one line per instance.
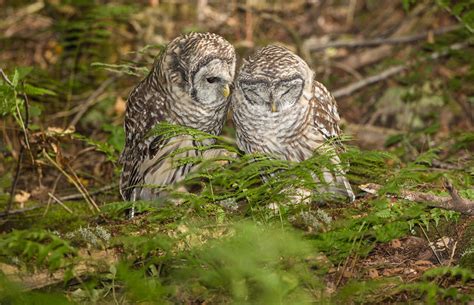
column 253, row 229
column 246, row 235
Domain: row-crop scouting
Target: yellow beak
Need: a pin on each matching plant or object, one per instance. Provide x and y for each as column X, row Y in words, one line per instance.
column 226, row 91
column 274, row 107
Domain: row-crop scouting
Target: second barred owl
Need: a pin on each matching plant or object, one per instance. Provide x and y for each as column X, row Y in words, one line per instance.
column 189, row 86
column 281, row 110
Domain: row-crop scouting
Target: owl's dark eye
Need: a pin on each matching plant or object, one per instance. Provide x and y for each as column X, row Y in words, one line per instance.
column 211, row 80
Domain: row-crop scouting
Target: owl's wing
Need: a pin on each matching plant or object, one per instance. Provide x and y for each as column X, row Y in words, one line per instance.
column 144, row 110
column 326, row 117
column 326, row 120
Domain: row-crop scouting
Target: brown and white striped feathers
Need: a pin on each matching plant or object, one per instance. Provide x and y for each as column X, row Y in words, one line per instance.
column 281, row 110
column 189, row 86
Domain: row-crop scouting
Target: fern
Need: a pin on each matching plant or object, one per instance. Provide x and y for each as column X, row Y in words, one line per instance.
column 42, row 247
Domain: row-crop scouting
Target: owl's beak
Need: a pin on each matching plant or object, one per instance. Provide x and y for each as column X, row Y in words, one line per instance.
column 226, row 90
column 274, row 107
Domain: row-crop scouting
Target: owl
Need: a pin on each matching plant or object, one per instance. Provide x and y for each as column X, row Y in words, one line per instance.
column 280, row 109
column 189, row 85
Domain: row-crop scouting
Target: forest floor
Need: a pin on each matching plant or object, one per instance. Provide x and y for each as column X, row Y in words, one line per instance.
column 403, row 75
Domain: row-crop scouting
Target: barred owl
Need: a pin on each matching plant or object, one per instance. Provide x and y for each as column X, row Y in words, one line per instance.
column 281, row 110
column 188, row 85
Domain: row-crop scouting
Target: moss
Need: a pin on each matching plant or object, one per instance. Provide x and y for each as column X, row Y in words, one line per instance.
column 54, row 218
column 467, row 248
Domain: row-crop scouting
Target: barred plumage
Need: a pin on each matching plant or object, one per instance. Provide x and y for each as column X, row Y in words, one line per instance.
column 188, row 85
column 280, row 109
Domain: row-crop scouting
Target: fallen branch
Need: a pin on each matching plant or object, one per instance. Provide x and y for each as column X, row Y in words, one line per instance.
column 313, row 47
column 351, row 88
column 452, row 203
column 91, row 100
column 63, row 198
column 79, row 196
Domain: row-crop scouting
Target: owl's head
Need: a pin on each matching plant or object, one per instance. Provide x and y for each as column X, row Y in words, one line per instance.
column 203, row 64
column 273, row 79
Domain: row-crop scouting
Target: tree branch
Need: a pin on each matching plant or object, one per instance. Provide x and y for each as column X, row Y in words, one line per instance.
column 351, row 88
column 314, row 47
column 452, row 203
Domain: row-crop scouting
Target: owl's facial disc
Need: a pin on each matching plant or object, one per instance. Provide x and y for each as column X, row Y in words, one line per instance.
column 211, row 83
column 287, row 92
column 274, row 97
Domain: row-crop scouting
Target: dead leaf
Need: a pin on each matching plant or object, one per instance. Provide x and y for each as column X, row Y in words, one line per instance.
column 59, row 132
column 443, row 242
column 395, row 244
column 22, row 197
column 182, row 229
column 423, row 263
column 8, row 269
column 392, row 271
column 373, row 273
column 120, row 106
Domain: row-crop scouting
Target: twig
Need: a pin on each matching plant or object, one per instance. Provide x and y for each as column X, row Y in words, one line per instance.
column 368, row 81
column 15, row 180
column 22, row 147
column 20, row 211
column 433, row 249
column 79, row 196
column 60, row 202
column 351, row 88
column 451, row 258
column 452, row 203
column 5, row 78
column 91, row 200
column 443, row 165
column 82, row 109
column 64, row 198
column 380, row 41
column 55, row 185
column 92, row 205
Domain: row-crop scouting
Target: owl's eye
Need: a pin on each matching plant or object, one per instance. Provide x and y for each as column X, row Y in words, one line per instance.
column 288, row 92
column 256, row 93
column 212, row 80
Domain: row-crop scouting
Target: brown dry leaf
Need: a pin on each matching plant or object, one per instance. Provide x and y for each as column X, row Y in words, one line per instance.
column 395, row 244
column 423, row 263
column 348, row 274
column 8, row 269
column 392, row 271
column 22, row 197
column 409, row 271
column 443, row 242
column 59, row 132
column 373, row 273
column 120, row 106
column 448, row 73
column 182, row 229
